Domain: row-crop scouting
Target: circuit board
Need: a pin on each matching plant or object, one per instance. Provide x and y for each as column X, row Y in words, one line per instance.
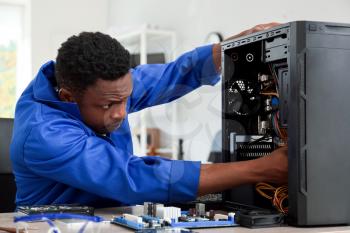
column 67, row 208
column 159, row 217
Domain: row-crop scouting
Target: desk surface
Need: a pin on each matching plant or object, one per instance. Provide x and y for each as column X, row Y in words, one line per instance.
column 6, row 220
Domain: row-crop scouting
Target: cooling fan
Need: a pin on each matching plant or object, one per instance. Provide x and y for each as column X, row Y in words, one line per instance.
column 243, row 98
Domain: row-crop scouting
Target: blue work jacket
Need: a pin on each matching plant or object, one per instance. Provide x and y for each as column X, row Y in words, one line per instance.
column 58, row 159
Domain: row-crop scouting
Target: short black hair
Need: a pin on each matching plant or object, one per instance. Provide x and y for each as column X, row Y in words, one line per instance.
column 83, row 59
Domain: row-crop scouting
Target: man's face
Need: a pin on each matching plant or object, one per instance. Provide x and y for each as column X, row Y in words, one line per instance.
column 103, row 105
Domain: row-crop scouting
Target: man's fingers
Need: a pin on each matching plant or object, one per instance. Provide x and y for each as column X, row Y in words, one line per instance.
column 261, row 27
column 256, row 28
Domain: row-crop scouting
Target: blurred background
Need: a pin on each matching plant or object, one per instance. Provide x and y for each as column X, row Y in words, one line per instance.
column 154, row 31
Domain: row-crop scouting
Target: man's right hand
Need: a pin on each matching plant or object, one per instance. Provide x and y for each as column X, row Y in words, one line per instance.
column 276, row 165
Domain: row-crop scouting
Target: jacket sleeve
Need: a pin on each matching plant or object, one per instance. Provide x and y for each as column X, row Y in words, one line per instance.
column 156, row 84
column 61, row 150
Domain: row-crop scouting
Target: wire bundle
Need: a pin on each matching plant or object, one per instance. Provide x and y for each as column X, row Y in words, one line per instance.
column 278, row 196
column 280, row 132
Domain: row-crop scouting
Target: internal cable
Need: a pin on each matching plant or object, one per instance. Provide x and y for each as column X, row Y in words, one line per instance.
column 278, row 196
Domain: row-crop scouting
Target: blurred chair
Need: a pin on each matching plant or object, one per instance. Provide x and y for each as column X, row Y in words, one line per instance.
column 7, row 179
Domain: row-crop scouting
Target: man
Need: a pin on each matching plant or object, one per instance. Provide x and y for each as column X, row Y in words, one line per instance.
column 72, row 141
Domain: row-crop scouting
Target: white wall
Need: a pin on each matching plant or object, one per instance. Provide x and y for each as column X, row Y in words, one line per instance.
column 53, row 21
column 192, row 20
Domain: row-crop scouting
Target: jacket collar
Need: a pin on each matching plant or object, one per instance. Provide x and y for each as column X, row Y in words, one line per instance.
column 44, row 90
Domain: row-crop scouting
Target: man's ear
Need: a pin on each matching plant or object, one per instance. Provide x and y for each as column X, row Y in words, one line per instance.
column 66, row 95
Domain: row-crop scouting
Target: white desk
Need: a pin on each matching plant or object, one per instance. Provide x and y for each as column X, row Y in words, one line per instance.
column 6, row 220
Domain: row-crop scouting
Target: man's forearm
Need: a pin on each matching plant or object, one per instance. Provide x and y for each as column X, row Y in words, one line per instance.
column 218, row 177
column 221, row 176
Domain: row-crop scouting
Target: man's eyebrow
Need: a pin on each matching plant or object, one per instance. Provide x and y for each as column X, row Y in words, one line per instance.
column 117, row 95
column 113, row 97
column 123, row 93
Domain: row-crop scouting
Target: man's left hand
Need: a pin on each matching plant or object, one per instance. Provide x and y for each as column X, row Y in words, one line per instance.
column 257, row 28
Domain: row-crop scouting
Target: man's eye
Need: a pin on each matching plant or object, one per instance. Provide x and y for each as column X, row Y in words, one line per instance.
column 108, row 106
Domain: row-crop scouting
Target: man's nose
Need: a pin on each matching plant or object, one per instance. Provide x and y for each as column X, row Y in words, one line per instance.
column 118, row 113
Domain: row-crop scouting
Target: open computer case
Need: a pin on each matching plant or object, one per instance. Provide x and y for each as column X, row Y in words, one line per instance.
column 290, row 85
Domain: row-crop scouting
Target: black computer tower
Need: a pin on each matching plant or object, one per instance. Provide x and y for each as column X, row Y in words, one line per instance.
column 290, row 85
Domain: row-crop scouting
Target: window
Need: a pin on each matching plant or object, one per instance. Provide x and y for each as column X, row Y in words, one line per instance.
column 14, row 54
